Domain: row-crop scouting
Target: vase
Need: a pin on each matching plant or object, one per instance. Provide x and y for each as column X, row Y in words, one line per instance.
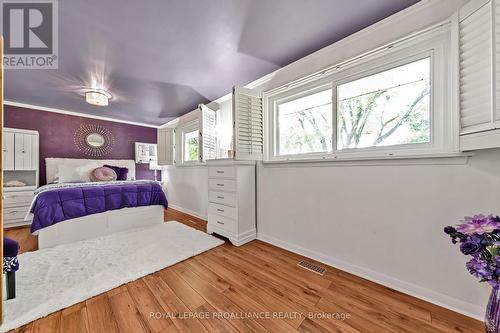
column 492, row 318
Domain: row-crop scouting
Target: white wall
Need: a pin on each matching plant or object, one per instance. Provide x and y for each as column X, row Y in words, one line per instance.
column 187, row 189
column 382, row 222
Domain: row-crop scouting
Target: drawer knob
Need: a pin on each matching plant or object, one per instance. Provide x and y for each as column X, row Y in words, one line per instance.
column 219, row 222
column 220, row 171
column 220, row 184
column 220, row 210
column 219, row 197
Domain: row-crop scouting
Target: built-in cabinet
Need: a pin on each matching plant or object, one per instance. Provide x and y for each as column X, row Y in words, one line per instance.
column 20, row 149
column 479, row 74
column 20, row 163
column 231, row 200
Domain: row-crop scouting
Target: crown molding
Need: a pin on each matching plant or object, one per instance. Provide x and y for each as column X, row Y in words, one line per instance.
column 76, row 114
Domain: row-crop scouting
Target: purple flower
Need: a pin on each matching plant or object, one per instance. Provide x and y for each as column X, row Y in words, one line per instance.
column 479, row 268
column 470, row 247
column 478, row 224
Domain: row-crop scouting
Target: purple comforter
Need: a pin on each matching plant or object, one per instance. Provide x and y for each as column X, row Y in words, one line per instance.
column 59, row 204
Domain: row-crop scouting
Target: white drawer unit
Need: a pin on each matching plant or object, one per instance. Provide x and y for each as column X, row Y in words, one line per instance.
column 18, row 199
column 224, row 198
column 222, row 184
column 16, row 207
column 227, row 211
column 223, row 223
column 231, row 196
column 222, row 172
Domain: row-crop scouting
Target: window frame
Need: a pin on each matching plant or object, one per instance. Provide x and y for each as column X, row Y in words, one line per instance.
column 291, row 97
column 435, row 45
column 181, row 132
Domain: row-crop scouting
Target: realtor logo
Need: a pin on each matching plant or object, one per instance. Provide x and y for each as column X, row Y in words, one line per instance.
column 30, row 34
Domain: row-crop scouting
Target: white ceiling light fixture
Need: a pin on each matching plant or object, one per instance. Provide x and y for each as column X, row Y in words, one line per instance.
column 98, row 97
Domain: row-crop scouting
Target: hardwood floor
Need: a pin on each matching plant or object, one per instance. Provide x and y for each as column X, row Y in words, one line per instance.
column 253, row 288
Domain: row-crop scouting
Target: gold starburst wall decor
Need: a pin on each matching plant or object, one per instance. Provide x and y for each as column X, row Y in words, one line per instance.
column 93, row 140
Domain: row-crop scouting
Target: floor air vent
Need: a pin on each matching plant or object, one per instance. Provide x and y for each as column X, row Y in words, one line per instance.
column 312, row 267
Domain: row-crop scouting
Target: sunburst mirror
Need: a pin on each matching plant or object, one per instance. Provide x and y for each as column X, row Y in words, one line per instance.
column 93, row 140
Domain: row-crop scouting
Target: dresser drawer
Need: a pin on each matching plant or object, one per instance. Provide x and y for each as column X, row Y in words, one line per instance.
column 222, row 184
column 224, row 198
column 222, row 222
column 16, row 213
column 18, row 199
column 222, row 172
column 226, row 211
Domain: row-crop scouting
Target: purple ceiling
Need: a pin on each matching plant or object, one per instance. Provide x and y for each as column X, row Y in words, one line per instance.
column 162, row 58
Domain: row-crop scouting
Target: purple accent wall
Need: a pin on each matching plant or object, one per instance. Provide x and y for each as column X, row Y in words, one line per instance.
column 57, row 131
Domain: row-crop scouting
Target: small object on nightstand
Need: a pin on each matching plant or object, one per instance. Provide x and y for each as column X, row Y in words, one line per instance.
column 14, row 183
column 153, row 165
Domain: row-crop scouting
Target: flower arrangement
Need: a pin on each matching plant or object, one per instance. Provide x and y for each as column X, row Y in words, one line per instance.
column 479, row 237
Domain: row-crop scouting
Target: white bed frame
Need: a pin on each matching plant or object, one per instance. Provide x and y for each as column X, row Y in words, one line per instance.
column 100, row 224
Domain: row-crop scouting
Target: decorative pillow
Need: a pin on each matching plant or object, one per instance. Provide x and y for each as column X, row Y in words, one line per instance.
column 102, row 174
column 85, row 170
column 68, row 174
column 121, row 173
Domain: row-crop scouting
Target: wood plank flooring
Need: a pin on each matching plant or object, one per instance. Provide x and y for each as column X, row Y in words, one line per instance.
column 254, row 288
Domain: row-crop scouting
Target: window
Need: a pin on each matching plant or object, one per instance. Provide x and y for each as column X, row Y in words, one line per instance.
column 387, row 108
column 191, row 146
column 188, row 143
column 305, row 124
column 393, row 102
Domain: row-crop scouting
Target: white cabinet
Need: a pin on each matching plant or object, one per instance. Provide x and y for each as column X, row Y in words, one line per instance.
column 25, row 151
column 479, row 74
column 16, row 207
column 8, row 150
column 20, row 158
column 231, row 196
column 20, row 149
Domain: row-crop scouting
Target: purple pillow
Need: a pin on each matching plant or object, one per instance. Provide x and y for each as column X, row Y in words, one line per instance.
column 121, row 173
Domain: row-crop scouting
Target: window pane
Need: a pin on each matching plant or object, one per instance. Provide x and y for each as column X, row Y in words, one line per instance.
column 305, row 124
column 388, row 108
column 191, row 146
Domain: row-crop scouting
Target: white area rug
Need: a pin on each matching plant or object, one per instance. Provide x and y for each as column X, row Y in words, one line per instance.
column 55, row 278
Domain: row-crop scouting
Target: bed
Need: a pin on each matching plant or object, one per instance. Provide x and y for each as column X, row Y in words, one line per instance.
column 67, row 212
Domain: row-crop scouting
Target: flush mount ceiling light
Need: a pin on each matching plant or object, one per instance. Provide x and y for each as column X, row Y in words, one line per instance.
column 98, row 97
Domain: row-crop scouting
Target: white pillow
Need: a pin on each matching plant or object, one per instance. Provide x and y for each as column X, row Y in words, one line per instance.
column 69, row 174
column 84, row 171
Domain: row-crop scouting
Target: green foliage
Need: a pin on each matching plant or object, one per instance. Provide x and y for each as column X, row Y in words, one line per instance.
column 193, row 149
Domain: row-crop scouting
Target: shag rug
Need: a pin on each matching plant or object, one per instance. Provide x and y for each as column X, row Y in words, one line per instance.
column 55, row 278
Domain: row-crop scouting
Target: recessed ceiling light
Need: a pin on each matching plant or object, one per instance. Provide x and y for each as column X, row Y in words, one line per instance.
column 97, row 97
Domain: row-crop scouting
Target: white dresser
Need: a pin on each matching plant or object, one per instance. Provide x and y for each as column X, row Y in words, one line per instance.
column 20, row 163
column 231, row 200
column 16, row 206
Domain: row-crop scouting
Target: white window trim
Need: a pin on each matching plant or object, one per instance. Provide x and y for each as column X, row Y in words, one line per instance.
column 435, row 43
column 180, row 132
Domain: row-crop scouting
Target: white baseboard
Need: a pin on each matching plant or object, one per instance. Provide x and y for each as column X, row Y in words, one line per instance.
column 188, row 211
column 471, row 310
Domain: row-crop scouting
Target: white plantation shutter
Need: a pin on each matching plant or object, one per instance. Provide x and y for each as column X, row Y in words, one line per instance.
column 248, row 126
column 207, row 125
column 165, row 146
column 497, row 58
column 476, row 66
